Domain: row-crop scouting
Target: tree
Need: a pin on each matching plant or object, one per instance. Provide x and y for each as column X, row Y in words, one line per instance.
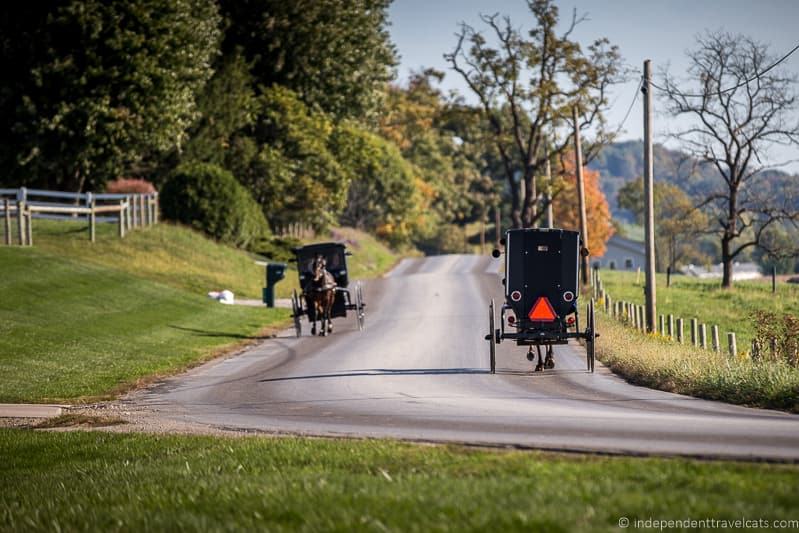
column 228, row 106
column 419, row 120
column 382, row 195
column 741, row 108
column 334, row 54
column 287, row 164
column 677, row 222
column 434, row 134
column 567, row 215
column 527, row 88
column 92, row 90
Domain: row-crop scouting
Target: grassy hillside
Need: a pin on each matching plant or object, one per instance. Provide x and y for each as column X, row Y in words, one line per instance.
column 80, row 321
column 98, row 481
column 174, row 255
column 71, row 330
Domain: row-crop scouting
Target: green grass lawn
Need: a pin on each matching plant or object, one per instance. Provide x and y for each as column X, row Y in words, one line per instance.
column 72, row 331
column 706, row 301
column 129, row 482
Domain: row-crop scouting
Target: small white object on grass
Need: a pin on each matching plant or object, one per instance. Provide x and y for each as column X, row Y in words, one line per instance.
column 223, row 297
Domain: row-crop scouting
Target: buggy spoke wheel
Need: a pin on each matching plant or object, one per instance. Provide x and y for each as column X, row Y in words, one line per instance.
column 360, row 310
column 296, row 312
column 590, row 341
column 358, row 305
column 492, row 338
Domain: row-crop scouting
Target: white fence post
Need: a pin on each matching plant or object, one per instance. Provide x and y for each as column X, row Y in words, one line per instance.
column 7, row 217
column 732, row 344
column 92, row 221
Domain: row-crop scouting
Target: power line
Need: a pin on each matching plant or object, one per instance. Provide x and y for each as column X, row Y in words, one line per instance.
column 629, row 109
column 741, row 84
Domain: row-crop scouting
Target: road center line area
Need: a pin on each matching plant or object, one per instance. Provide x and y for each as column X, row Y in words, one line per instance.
column 420, row 371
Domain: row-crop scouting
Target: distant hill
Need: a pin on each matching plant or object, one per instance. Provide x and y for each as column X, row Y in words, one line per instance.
column 621, row 162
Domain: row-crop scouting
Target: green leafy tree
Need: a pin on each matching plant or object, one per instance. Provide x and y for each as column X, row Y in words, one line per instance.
column 287, row 164
column 382, row 196
column 92, row 90
column 528, row 86
column 334, row 54
column 419, row 120
column 678, row 224
column 228, row 106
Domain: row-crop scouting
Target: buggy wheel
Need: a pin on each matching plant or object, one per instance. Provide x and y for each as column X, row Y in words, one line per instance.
column 361, row 306
column 590, row 337
column 492, row 338
column 296, row 312
column 359, row 312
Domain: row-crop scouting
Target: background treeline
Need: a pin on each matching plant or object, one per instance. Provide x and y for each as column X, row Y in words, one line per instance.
column 248, row 116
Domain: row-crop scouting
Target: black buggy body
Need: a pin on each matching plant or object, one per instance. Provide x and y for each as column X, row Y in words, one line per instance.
column 541, row 293
column 335, row 254
column 541, row 281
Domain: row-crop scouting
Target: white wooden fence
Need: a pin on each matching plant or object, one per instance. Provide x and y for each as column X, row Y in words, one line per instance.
column 128, row 211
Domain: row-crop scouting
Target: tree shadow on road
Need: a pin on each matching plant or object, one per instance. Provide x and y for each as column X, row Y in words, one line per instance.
column 385, row 372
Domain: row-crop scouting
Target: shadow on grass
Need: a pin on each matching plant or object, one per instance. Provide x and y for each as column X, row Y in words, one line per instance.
column 222, row 334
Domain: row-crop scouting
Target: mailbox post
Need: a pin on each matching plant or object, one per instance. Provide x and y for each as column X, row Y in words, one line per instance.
column 274, row 273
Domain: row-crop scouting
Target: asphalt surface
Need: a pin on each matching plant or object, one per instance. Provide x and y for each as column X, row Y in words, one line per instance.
column 420, row 371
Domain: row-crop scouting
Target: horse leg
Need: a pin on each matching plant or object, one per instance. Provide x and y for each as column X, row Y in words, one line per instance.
column 313, row 322
column 328, row 322
column 329, row 318
column 540, row 366
column 550, row 360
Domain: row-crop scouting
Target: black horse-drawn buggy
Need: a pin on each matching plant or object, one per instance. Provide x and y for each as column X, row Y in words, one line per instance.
column 324, row 287
column 541, row 295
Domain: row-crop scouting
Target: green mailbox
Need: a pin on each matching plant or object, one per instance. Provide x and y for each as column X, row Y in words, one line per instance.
column 274, row 273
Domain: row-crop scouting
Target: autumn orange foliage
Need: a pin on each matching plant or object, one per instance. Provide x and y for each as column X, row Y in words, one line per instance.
column 566, row 213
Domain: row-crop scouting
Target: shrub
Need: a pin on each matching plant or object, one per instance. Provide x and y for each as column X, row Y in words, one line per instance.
column 129, row 186
column 777, row 337
column 210, row 199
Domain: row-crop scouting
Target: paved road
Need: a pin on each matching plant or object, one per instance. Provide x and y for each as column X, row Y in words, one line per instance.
column 419, row 371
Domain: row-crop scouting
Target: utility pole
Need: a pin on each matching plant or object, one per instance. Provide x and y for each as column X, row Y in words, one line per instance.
column 578, row 154
column 548, row 195
column 483, row 231
column 497, row 228
column 649, row 207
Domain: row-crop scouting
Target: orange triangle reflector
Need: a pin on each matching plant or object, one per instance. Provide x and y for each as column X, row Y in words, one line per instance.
column 542, row 311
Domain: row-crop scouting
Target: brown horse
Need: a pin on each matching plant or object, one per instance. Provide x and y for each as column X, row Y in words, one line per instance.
column 321, row 293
